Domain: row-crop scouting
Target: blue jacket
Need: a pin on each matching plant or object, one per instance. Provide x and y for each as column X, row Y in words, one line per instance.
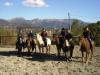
column 20, row 35
column 30, row 35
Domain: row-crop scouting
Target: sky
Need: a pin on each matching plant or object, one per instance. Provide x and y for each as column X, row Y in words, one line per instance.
column 85, row 10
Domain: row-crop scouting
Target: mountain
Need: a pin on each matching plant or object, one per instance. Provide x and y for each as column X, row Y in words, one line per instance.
column 19, row 20
column 52, row 23
column 17, row 23
column 3, row 22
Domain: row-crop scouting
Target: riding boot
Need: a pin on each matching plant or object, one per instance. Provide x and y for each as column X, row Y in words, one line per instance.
column 90, row 43
column 17, row 45
column 45, row 42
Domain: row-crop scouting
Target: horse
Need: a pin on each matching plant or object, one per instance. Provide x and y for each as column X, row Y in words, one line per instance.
column 31, row 45
column 40, row 43
column 64, row 45
column 85, row 47
column 20, row 46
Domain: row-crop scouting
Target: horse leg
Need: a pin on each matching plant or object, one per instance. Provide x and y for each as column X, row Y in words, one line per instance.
column 29, row 50
column 92, row 50
column 42, row 49
column 87, row 58
column 91, row 53
column 35, row 49
column 19, row 51
column 65, row 54
column 82, row 56
column 49, row 50
column 71, row 52
column 39, row 48
column 46, row 49
column 59, row 50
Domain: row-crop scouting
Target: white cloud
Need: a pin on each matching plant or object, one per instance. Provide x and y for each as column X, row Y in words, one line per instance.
column 8, row 4
column 34, row 3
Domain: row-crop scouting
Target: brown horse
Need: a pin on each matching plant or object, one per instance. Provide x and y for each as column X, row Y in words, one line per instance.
column 20, row 46
column 31, row 45
column 85, row 47
column 62, row 46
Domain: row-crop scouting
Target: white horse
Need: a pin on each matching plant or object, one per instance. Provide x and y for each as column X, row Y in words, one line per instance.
column 41, row 44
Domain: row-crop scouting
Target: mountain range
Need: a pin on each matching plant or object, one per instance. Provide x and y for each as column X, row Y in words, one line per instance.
column 52, row 23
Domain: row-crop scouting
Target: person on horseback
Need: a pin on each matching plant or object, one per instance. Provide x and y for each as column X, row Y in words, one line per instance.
column 44, row 35
column 30, row 35
column 68, row 35
column 88, row 35
column 63, row 33
column 19, row 35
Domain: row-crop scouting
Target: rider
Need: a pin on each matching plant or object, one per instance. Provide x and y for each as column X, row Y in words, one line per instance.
column 44, row 35
column 88, row 35
column 63, row 34
column 19, row 35
column 30, row 35
column 68, row 35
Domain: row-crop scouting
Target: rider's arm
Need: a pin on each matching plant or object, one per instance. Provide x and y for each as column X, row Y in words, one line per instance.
column 23, row 36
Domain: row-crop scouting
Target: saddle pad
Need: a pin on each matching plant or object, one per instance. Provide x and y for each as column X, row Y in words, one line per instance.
column 67, row 43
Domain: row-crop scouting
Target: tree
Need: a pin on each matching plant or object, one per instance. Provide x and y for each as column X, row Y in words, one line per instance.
column 75, row 25
column 75, row 28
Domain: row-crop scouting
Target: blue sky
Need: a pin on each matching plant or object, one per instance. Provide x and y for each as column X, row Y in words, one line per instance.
column 86, row 10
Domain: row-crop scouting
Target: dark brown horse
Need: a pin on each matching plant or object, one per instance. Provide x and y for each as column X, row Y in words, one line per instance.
column 61, row 45
column 20, row 46
column 85, row 47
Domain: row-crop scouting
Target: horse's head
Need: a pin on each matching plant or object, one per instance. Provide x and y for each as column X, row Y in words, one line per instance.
column 28, row 42
column 35, row 41
column 39, row 39
column 20, row 41
column 38, row 36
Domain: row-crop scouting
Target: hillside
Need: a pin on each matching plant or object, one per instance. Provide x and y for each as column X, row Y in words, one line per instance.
column 52, row 23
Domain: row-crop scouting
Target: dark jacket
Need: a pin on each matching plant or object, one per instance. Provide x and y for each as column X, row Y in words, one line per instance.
column 44, row 34
column 68, row 36
column 63, row 34
column 87, row 34
column 30, row 35
column 20, row 35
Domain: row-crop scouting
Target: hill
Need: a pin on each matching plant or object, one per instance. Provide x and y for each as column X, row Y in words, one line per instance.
column 52, row 23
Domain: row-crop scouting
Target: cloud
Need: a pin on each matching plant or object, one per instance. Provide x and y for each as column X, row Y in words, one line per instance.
column 8, row 4
column 34, row 3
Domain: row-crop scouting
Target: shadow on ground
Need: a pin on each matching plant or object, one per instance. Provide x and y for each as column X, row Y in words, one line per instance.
column 36, row 56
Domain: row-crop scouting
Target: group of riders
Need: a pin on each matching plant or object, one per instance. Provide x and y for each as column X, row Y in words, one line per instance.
column 65, row 34
column 30, row 35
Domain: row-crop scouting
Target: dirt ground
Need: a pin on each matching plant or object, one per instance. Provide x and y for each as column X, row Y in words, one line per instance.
column 44, row 64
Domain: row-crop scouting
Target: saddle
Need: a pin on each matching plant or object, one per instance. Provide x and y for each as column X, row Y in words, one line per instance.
column 67, row 43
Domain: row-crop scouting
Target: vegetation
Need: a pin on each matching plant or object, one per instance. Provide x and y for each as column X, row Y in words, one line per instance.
column 7, row 37
column 77, row 29
column 94, row 28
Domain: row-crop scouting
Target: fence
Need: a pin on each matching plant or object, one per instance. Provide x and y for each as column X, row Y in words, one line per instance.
column 11, row 40
column 8, row 40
